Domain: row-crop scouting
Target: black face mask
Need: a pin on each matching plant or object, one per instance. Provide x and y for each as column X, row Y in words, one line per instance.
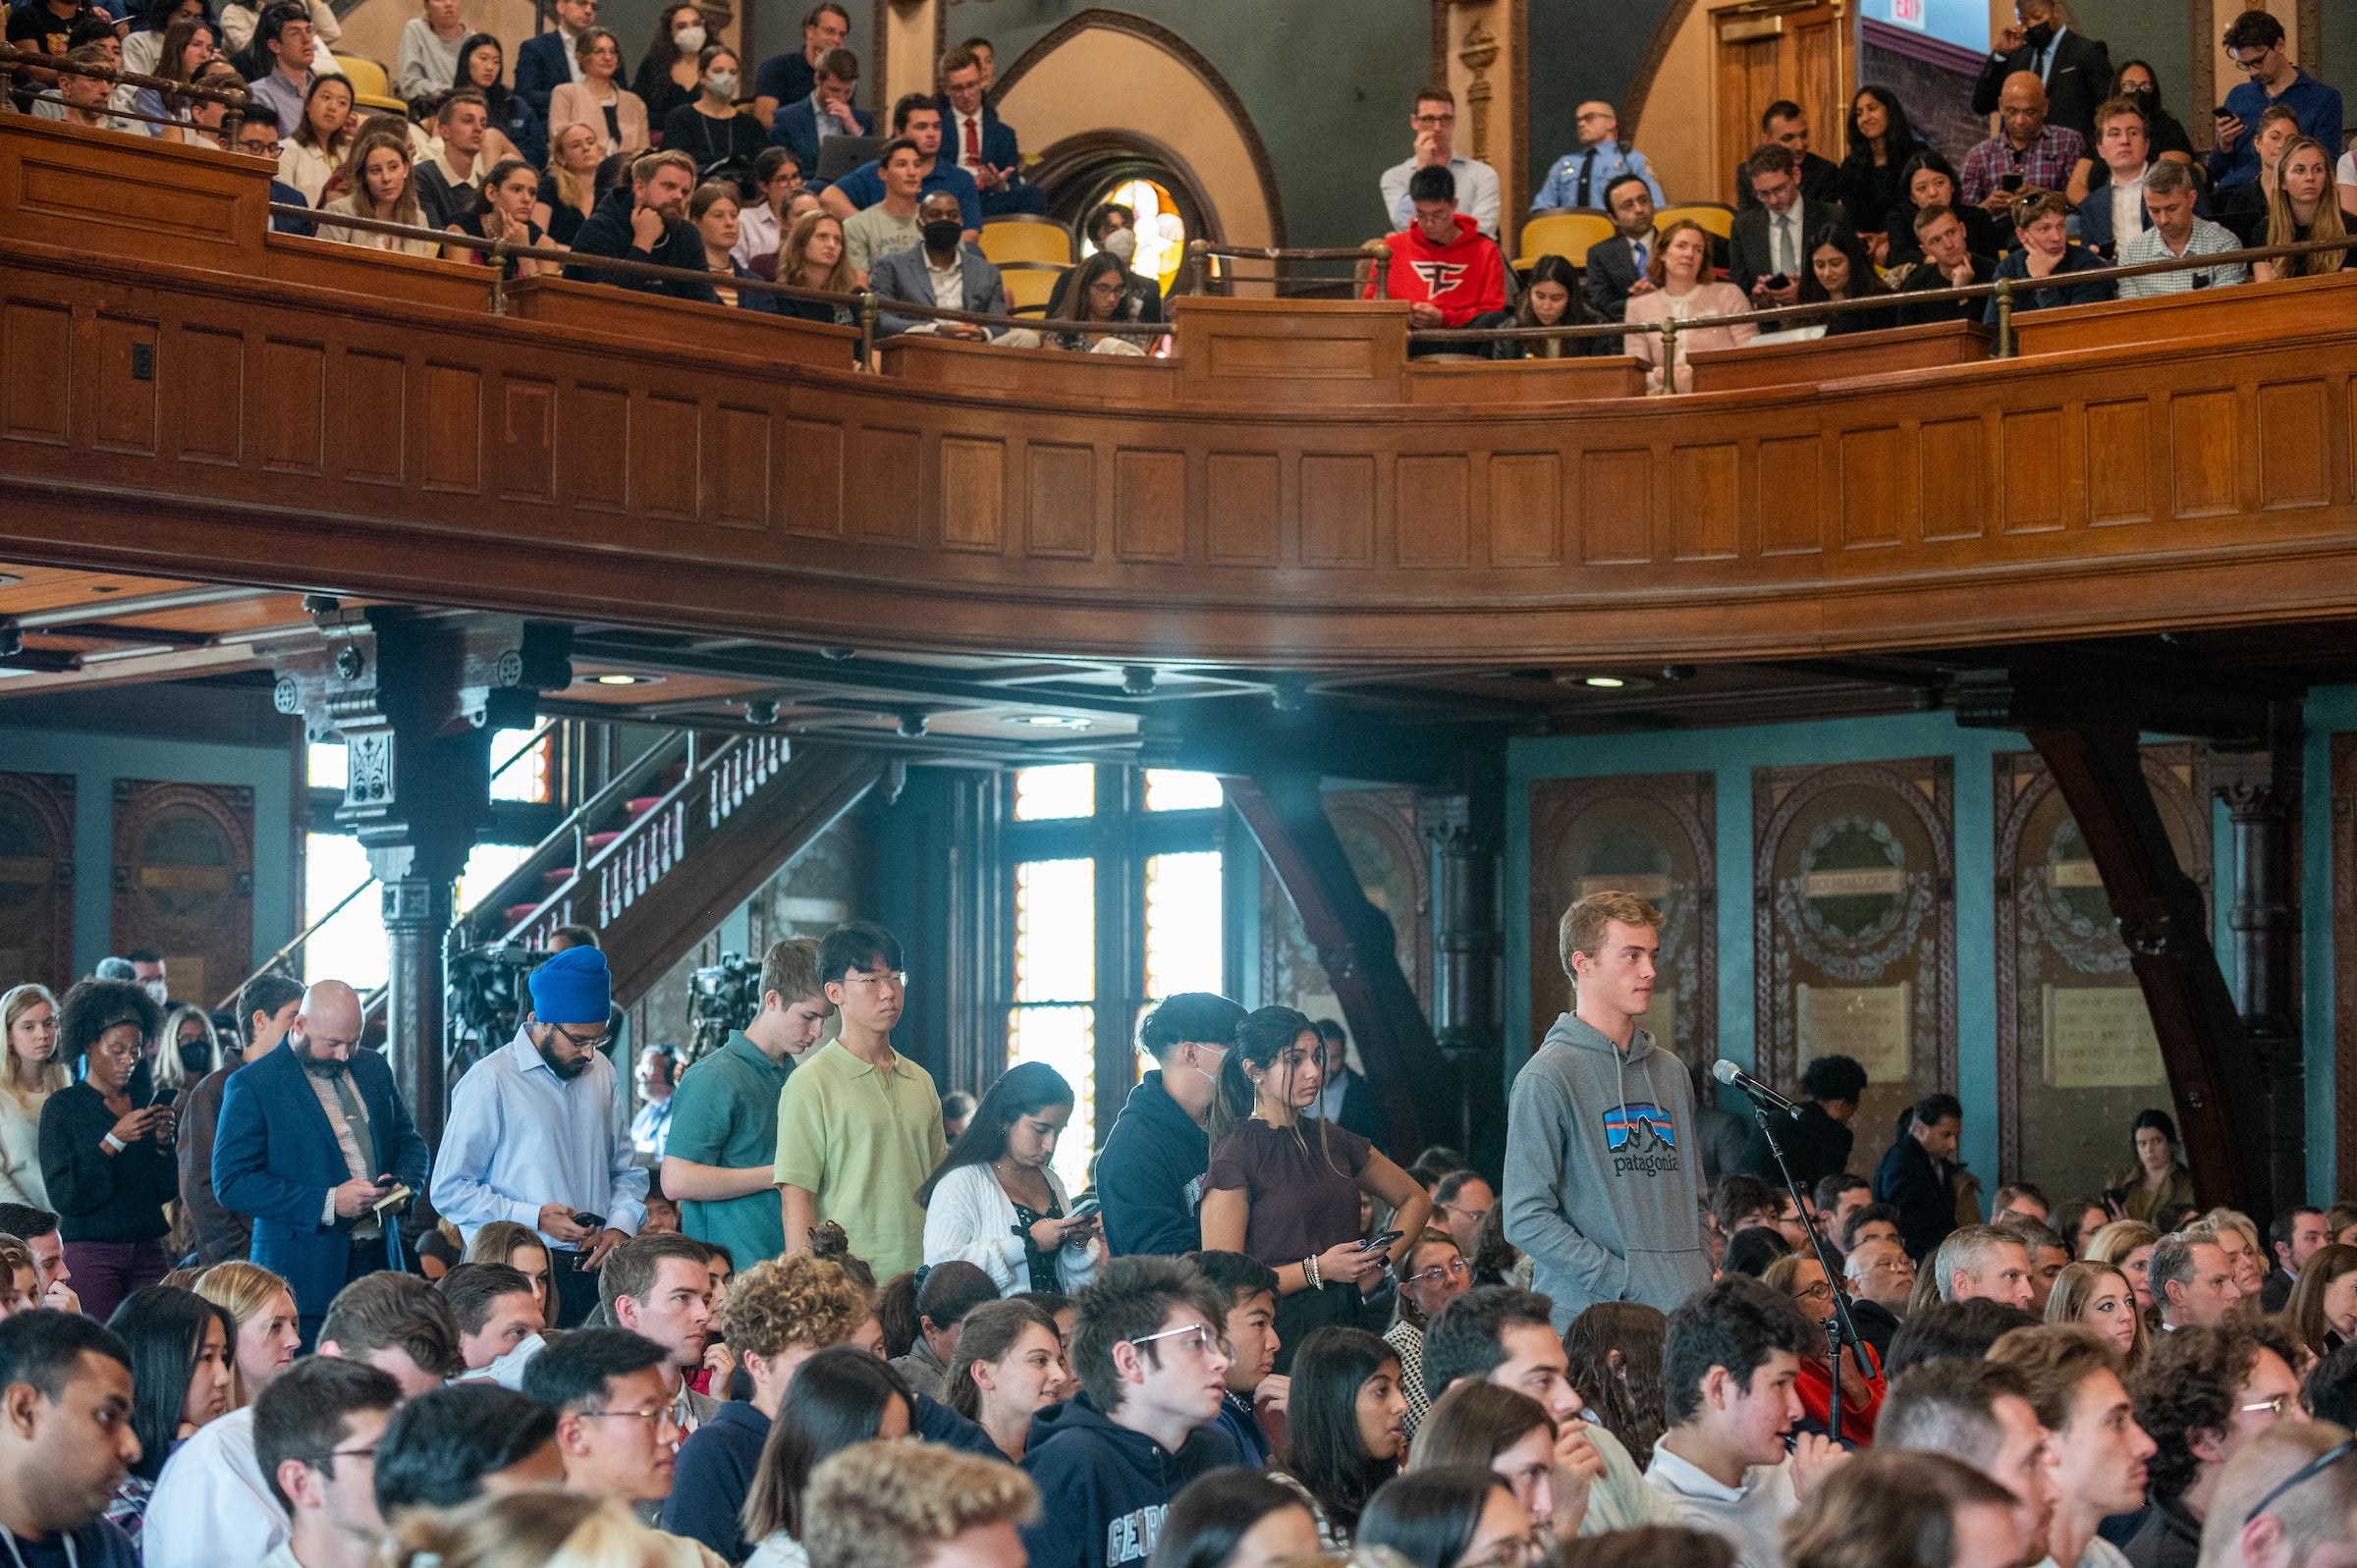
column 195, row 1057
column 2040, row 35
column 2141, row 92
column 943, row 234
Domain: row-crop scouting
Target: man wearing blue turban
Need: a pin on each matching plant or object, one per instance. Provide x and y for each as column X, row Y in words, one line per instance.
column 539, row 1134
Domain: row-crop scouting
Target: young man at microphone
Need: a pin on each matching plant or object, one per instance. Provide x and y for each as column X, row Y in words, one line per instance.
column 1603, row 1188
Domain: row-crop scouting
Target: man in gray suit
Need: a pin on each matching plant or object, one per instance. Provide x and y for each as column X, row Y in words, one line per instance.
column 944, row 271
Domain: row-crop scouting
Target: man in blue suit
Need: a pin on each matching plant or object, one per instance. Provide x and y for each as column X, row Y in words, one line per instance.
column 547, row 60
column 805, row 123
column 311, row 1139
column 981, row 142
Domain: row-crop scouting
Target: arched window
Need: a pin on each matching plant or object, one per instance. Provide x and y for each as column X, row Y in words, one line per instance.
column 1162, row 231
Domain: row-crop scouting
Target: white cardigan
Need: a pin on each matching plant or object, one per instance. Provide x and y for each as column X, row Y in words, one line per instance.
column 20, row 1150
column 972, row 1217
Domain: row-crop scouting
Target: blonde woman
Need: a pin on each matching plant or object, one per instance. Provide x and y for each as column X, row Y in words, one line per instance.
column 190, row 1049
column 2127, row 1245
column 2305, row 206
column 540, row 1526
column 261, row 1306
column 517, row 1246
column 28, row 1023
column 1683, row 290
column 568, row 184
column 2098, row 1296
column 379, row 180
column 2238, row 1238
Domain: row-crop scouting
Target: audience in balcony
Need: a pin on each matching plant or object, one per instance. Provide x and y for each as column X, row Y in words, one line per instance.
column 2170, row 194
column 725, row 141
column 1551, row 298
column 789, row 78
column 569, row 186
column 2165, row 133
column 668, row 77
column 2041, row 220
column 1683, row 291
column 378, row 180
column 2244, row 208
column 151, row 51
column 2028, row 152
column 762, row 222
column 916, row 116
column 1578, row 179
column 1948, row 262
column 1930, row 181
column 502, row 209
column 1113, row 226
column 547, row 60
column 427, row 62
column 2111, row 211
column 283, row 51
column 2075, row 70
column 201, row 127
column 1768, row 247
column 599, row 100
column 44, row 26
column 941, row 269
column 2305, row 206
column 1881, row 141
column 645, row 219
column 144, row 45
column 814, row 256
column 310, row 158
column 240, row 20
column 1616, row 266
column 1433, row 124
column 1840, row 268
column 82, row 100
column 1786, row 124
column 713, row 211
column 449, row 181
column 981, row 142
column 515, row 132
column 2255, row 43
column 1100, row 289
column 805, row 123
column 1450, row 273
column 892, row 224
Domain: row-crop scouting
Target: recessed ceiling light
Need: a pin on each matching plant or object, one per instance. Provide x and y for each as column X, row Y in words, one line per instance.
column 1603, row 682
column 621, row 680
column 107, row 587
column 1048, row 721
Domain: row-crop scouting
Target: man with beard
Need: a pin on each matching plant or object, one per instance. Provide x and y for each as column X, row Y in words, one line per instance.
column 312, row 1143
column 645, row 219
column 539, row 1134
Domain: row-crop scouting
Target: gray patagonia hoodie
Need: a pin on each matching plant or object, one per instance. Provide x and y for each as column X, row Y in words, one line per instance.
column 1602, row 1179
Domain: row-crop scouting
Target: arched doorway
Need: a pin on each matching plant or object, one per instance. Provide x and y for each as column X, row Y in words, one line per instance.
column 1139, row 173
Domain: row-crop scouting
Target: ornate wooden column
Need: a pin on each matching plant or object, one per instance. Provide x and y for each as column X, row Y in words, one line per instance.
column 415, row 698
column 1480, row 51
column 1464, row 844
column 2262, row 806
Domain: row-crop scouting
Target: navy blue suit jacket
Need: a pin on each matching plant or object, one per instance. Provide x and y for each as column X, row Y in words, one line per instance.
column 999, row 148
column 540, row 68
column 796, row 125
column 275, row 1158
column 2095, row 218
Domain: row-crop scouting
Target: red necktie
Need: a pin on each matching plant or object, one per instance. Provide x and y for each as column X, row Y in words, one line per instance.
column 973, row 139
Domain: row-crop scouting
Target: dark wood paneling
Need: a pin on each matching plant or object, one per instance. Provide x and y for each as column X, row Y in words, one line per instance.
column 294, row 415
column 2206, row 438
column 1862, row 354
column 2120, row 462
column 1871, row 513
column 739, row 481
column 1791, row 496
column 375, row 419
column 888, row 496
column 596, row 447
column 1244, row 495
column 973, row 475
column 814, row 477
column 1951, row 470
column 1338, row 510
column 208, row 370
column 666, row 440
column 1435, row 510
column 1149, row 501
column 2033, row 455
column 125, row 399
column 1706, row 497
column 1526, row 509
column 1615, row 507
column 528, row 438
column 2293, row 445
column 36, row 356
column 36, row 879
column 1060, row 484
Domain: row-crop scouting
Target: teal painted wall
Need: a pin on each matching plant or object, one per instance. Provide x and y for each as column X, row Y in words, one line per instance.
column 1731, row 755
column 97, row 760
column 2328, row 708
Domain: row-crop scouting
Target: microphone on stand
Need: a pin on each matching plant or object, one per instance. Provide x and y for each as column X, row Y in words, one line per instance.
column 1727, row 1072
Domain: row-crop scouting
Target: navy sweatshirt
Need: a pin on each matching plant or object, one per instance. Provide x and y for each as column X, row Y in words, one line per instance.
column 938, row 1422
column 1150, row 1174
column 1103, row 1489
column 714, row 1475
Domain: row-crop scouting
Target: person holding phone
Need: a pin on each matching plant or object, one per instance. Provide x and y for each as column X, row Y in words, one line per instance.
column 313, row 1140
column 2027, row 153
column 996, row 1201
column 106, row 1155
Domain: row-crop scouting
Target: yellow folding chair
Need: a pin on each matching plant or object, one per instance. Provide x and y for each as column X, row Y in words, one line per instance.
column 371, row 86
column 1716, row 216
column 1029, row 284
column 1022, row 236
column 1565, row 231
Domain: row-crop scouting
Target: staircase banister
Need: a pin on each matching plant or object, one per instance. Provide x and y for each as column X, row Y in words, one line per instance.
column 565, row 837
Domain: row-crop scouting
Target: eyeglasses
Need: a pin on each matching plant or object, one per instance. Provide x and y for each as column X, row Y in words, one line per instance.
column 655, row 1416
column 1432, row 118
column 1453, row 1269
column 2251, row 59
column 595, row 1041
column 1901, row 1265
column 1194, row 1335
column 1819, row 1288
column 2274, row 1407
column 2307, row 1471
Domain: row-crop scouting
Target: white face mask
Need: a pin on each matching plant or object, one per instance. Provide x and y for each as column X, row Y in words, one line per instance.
column 689, row 38
column 1122, row 242
column 721, row 83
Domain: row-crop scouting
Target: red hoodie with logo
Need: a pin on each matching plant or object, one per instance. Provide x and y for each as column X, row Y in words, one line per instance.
column 1463, row 278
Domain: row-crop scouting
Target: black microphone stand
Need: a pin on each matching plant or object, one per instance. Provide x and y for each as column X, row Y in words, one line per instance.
column 1841, row 1329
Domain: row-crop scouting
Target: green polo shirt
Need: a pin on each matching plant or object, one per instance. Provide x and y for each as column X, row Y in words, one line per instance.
column 725, row 1112
column 863, row 1140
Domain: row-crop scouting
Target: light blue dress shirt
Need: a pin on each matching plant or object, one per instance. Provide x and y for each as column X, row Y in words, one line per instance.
column 518, row 1136
column 1562, row 189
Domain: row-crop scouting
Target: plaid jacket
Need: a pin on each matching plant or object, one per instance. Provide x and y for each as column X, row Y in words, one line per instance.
column 2045, row 163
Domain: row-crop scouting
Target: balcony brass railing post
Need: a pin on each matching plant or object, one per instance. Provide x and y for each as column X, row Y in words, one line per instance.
column 2005, row 318
column 867, row 329
column 233, row 119
column 499, row 275
column 1669, row 358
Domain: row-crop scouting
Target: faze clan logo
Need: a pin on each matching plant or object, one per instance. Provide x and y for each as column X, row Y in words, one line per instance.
column 1439, row 276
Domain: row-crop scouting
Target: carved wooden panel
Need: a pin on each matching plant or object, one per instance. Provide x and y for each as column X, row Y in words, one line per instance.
column 1870, row 506
column 2206, row 438
column 1790, row 494
column 36, row 879
column 1854, row 943
column 974, row 473
column 35, row 349
column 739, row 481
column 208, row 415
column 1526, row 509
column 1435, row 522
column 2120, row 462
column 375, row 416
column 2076, row 1052
column 1652, row 834
column 1706, row 502
column 666, row 438
column 1384, row 840
column 888, row 495
column 125, row 399
column 528, row 438
column 1338, row 512
column 814, row 477
column 1243, row 490
column 1149, row 491
column 2292, row 445
column 1949, row 469
column 1062, row 484
column 184, row 882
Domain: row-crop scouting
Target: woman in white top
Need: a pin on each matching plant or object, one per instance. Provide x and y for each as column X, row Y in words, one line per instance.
column 379, row 182
column 1683, row 290
column 998, row 1203
column 310, row 157
column 28, row 1024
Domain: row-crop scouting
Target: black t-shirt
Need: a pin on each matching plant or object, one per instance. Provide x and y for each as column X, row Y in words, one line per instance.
column 38, row 28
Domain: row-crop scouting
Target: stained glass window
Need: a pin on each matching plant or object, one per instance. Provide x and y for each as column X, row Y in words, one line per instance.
column 1160, row 231
column 1054, row 1018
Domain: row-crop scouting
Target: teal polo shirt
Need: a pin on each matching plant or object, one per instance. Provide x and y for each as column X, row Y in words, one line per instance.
column 725, row 1112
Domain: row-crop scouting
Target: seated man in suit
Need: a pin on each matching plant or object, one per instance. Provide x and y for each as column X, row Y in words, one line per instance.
column 1615, row 268
column 806, row 123
column 551, row 58
column 981, row 142
column 2075, row 70
column 645, row 219
column 1786, row 123
column 917, row 117
column 1769, row 249
column 944, row 271
column 313, row 1139
column 1946, row 264
column 788, row 77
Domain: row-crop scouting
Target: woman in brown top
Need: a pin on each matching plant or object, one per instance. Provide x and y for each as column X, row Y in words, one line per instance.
column 1287, row 1196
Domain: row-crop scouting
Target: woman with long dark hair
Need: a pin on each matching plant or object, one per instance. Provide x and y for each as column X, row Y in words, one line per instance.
column 923, row 1313
column 1234, row 1519
column 1346, row 1426
column 1614, row 1348
column 996, row 1201
column 1551, row 298
column 667, row 71
column 516, row 129
column 1840, row 269
column 1880, row 142
column 180, row 1380
column 2158, row 1184
column 1100, row 289
column 1288, row 1197
column 2322, row 1313
column 1929, row 180
column 1008, row 1365
column 838, row 1397
column 1459, row 1517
